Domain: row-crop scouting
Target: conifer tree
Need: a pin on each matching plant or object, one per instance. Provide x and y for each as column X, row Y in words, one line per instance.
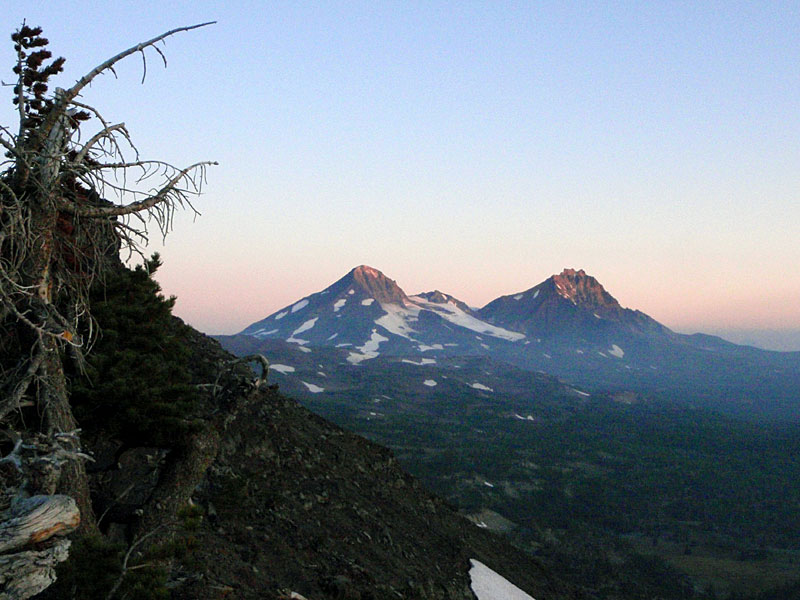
column 69, row 202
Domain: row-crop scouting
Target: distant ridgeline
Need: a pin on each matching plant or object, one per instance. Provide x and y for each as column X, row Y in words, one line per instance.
column 568, row 326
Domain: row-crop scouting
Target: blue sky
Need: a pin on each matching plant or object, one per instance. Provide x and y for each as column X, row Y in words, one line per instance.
column 474, row 147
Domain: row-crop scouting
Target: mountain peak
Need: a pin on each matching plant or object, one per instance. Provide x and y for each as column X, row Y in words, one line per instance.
column 376, row 285
column 438, row 297
column 582, row 289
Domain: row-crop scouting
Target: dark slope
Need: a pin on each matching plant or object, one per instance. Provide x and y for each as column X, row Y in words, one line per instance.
column 304, row 506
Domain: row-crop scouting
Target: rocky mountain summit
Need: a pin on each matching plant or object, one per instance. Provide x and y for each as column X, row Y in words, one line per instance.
column 571, row 303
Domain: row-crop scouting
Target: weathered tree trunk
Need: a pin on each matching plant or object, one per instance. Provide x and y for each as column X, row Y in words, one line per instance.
column 31, row 544
column 59, row 418
column 27, row 573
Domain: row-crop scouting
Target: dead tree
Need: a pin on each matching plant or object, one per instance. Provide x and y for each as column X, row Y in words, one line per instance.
column 32, row 527
column 69, row 202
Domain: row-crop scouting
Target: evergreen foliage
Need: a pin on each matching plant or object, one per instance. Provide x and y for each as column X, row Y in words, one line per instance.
column 137, row 382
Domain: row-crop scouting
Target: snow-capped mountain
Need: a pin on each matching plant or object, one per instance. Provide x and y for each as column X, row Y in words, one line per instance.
column 368, row 313
column 568, row 326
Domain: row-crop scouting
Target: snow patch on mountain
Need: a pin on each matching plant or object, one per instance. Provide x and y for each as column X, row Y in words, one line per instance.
column 282, row 368
column 371, row 345
column 369, row 350
column 305, row 326
column 518, row 297
column 453, row 314
column 263, row 332
column 422, row 361
column 616, row 351
column 429, row 383
column 314, row 389
column 489, row 585
column 280, row 315
column 339, row 304
column 367, row 301
column 480, row 386
column 397, row 318
column 300, row 305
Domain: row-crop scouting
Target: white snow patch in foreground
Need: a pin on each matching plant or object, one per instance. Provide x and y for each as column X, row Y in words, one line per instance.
column 616, row 351
column 280, row 315
column 314, row 389
column 480, row 386
column 300, row 305
column 339, row 304
column 305, row 326
column 488, row 585
column 282, row 368
column 429, row 383
column 422, row 362
column 367, row 301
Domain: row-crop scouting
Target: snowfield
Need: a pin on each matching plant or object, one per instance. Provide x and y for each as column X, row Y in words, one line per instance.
column 397, row 318
column 314, row 389
column 300, row 305
column 305, row 326
column 480, row 386
column 282, row 369
column 368, row 350
column 422, row 361
column 453, row 314
column 488, row 585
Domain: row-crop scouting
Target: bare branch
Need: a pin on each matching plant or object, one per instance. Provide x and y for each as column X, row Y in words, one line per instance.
column 104, row 133
column 141, row 205
column 73, row 92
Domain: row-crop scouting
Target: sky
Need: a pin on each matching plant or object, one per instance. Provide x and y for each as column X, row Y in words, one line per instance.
column 471, row 147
